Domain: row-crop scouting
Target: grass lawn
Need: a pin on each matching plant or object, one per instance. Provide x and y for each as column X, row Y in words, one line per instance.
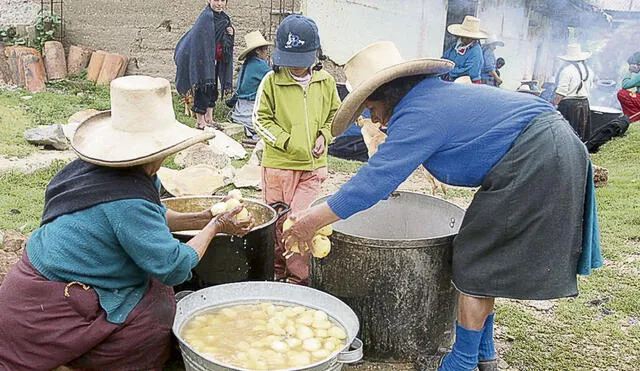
column 599, row 330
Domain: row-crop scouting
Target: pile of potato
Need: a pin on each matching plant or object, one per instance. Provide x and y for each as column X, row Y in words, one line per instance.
column 234, row 201
column 321, row 243
column 265, row 336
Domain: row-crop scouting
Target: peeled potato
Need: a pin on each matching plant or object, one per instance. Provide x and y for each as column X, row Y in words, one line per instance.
column 218, row 208
column 243, row 215
column 311, row 344
column 235, row 193
column 320, row 316
column 232, row 204
column 327, row 230
column 320, row 354
column 304, row 332
column 287, row 224
column 337, row 332
column 321, row 246
column 279, row 346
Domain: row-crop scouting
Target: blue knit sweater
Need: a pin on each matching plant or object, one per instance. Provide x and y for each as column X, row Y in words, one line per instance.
column 113, row 247
column 470, row 64
column 255, row 70
column 457, row 131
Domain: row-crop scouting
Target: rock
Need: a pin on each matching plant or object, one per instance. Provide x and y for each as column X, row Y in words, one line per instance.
column 256, row 155
column 5, row 72
column 502, row 364
column 95, row 65
column 13, row 241
column 113, row 66
column 32, row 70
column 600, row 176
column 232, row 129
column 82, row 115
column 202, row 154
column 229, row 174
column 55, row 61
column 249, row 176
column 193, row 181
column 47, row 135
column 78, row 59
column 223, row 143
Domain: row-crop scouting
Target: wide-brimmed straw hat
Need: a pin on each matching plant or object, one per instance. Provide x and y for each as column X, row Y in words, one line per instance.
column 470, row 28
column 373, row 66
column 141, row 126
column 575, row 54
column 254, row 40
column 493, row 39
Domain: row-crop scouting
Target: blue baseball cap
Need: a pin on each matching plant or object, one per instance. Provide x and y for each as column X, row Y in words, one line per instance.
column 297, row 42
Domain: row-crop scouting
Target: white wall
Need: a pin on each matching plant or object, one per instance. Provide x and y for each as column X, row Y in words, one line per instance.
column 509, row 21
column 346, row 26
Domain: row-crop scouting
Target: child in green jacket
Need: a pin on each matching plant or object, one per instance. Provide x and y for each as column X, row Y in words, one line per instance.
column 294, row 108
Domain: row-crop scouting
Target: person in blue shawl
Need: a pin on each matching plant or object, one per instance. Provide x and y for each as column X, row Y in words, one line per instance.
column 204, row 56
column 466, row 53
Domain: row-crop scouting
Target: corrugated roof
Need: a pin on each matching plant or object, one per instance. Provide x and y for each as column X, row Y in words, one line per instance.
column 619, row 5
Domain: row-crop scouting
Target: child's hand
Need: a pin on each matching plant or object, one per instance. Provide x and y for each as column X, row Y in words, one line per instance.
column 318, row 150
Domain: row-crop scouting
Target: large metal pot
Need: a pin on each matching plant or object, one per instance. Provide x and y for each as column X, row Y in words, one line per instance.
column 392, row 265
column 254, row 292
column 232, row 259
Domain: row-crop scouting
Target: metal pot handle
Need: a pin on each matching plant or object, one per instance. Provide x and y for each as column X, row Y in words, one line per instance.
column 182, row 294
column 285, row 208
column 354, row 354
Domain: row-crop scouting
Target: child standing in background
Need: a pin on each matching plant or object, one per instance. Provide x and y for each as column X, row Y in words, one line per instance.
column 294, row 107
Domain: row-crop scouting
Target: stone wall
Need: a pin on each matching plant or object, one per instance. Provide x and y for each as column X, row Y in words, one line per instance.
column 18, row 12
column 147, row 31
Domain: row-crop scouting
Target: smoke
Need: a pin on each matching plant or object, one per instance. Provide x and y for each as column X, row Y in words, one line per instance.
column 609, row 61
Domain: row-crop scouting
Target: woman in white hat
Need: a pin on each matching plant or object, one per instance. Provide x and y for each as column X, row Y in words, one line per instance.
column 518, row 239
column 256, row 65
column 489, row 68
column 573, row 88
column 466, row 53
column 93, row 289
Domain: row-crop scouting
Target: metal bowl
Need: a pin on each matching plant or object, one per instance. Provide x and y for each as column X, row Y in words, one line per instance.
column 256, row 292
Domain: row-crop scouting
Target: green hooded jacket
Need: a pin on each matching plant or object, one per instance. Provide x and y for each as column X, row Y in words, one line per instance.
column 290, row 119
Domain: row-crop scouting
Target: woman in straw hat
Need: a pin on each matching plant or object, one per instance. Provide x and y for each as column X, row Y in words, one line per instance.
column 256, row 65
column 518, row 238
column 574, row 84
column 204, row 56
column 93, row 289
column 489, row 68
column 629, row 96
column 466, row 53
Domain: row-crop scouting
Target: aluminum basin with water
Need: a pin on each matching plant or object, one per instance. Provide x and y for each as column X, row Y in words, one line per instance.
column 256, row 292
column 392, row 265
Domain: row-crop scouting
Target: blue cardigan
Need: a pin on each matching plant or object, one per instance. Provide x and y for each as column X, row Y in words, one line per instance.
column 457, row 131
column 470, row 64
column 255, row 70
column 113, row 247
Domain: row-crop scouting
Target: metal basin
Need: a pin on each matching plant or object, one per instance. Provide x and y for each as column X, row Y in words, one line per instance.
column 231, row 259
column 392, row 265
column 255, row 292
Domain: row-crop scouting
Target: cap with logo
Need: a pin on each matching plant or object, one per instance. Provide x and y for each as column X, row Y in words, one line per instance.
column 297, row 42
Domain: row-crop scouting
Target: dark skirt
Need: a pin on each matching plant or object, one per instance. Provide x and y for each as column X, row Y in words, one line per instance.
column 521, row 236
column 576, row 111
column 41, row 328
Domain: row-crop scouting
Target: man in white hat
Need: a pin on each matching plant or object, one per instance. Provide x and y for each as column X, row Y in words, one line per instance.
column 517, row 239
column 574, row 84
column 489, row 68
column 255, row 66
column 93, row 289
column 466, row 53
